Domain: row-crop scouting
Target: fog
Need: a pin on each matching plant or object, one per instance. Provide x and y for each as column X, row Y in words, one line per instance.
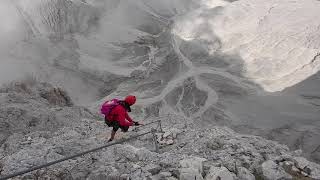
column 11, row 32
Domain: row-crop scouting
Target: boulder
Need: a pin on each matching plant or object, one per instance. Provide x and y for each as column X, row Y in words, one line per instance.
column 301, row 162
column 169, row 142
column 167, row 138
column 310, row 169
column 152, row 168
column 245, row 174
column 191, row 168
column 272, row 171
column 220, row 173
column 166, row 134
column 193, row 163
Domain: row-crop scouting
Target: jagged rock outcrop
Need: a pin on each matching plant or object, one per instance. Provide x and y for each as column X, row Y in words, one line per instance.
column 270, row 170
column 29, row 107
column 197, row 152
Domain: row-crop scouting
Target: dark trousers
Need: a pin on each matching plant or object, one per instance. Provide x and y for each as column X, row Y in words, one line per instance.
column 115, row 125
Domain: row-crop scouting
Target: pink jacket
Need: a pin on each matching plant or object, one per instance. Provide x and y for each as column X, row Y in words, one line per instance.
column 119, row 113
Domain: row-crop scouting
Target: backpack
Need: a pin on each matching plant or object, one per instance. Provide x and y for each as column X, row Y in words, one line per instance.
column 107, row 107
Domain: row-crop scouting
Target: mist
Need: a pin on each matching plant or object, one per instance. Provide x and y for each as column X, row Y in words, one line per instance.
column 11, row 32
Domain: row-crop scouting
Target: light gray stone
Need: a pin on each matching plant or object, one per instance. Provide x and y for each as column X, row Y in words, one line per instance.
column 193, row 163
column 153, row 168
column 220, row 173
column 272, row 171
column 165, row 174
column 190, row 174
column 309, row 168
column 191, row 168
column 245, row 174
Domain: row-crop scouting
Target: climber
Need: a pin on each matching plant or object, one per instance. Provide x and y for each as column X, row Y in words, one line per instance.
column 116, row 115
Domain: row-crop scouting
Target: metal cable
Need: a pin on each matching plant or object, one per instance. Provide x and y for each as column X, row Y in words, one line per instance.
column 153, row 122
column 71, row 157
column 150, row 123
column 137, row 127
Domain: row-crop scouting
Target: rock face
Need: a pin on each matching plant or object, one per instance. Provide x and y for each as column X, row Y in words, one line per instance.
column 286, row 167
column 30, row 106
column 36, row 109
column 198, row 153
column 189, row 58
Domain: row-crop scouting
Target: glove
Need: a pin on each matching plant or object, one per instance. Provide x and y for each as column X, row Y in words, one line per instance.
column 136, row 123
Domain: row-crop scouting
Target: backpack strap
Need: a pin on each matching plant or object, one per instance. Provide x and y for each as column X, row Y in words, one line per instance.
column 125, row 105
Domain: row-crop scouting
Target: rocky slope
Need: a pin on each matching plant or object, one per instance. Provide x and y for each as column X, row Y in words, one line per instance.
column 216, row 62
column 56, row 129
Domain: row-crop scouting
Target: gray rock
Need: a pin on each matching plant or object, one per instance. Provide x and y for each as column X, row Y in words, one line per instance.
column 165, row 174
column 167, row 138
column 193, row 163
column 190, row 174
column 171, row 178
column 166, row 134
column 220, row 173
column 139, row 174
column 309, row 168
column 152, row 168
column 191, row 168
column 98, row 177
column 301, row 162
column 124, row 177
column 107, row 177
column 169, row 142
column 215, row 144
column 297, row 152
column 272, row 171
column 219, row 146
column 294, row 169
column 175, row 132
column 144, row 154
column 126, row 151
column 245, row 174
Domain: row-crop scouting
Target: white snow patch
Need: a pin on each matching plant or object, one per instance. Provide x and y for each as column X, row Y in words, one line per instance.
column 277, row 40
